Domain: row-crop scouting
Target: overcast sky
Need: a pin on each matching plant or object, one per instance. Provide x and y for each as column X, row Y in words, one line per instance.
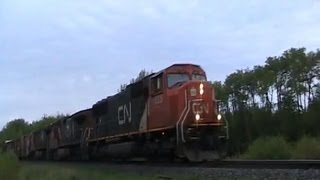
column 64, row 55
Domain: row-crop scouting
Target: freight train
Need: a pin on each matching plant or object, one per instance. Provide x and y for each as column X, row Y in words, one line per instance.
column 171, row 114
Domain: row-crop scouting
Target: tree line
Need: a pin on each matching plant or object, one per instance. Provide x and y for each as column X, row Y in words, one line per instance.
column 19, row 127
column 281, row 97
column 143, row 73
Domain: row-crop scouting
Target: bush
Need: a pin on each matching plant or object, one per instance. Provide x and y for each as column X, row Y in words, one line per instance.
column 9, row 166
column 61, row 171
column 307, row 148
column 268, row 148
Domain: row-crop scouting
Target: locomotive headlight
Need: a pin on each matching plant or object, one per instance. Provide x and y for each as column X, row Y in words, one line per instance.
column 201, row 89
column 201, row 86
column 197, row 117
column 219, row 117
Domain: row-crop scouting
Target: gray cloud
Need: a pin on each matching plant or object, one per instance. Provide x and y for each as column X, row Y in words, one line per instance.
column 65, row 55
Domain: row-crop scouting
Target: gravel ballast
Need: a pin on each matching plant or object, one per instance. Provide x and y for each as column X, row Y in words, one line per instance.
column 219, row 173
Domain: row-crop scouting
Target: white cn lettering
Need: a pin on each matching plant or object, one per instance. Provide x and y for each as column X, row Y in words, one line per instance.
column 199, row 108
column 206, row 107
column 120, row 117
column 124, row 113
column 127, row 112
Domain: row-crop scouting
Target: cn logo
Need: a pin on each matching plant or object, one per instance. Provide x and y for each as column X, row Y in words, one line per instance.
column 199, row 108
column 124, row 113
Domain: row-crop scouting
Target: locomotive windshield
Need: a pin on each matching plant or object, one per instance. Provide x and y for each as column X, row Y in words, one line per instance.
column 198, row 77
column 173, row 79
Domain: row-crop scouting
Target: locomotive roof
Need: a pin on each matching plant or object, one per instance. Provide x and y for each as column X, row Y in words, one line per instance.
column 80, row 112
column 185, row 64
column 175, row 65
column 102, row 101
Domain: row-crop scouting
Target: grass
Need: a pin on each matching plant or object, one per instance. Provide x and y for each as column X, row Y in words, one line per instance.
column 12, row 169
column 55, row 172
column 269, row 148
column 278, row 148
column 307, row 148
column 9, row 166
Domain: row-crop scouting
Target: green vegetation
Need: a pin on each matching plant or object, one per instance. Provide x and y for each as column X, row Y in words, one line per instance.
column 52, row 171
column 280, row 97
column 307, row 148
column 278, row 148
column 12, row 169
column 56, row 172
column 269, row 148
column 9, row 166
column 19, row 127
column 143, row 73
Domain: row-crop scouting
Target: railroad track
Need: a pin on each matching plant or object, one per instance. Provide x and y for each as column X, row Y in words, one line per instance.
column 249, row 164
column 267, row 164
column 232, row 164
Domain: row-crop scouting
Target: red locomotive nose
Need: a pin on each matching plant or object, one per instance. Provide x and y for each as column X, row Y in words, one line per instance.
column 202, row 109
column 198, row 102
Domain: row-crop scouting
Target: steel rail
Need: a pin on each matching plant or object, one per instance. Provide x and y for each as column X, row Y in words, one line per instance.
column 267, row 164
column 229, row 164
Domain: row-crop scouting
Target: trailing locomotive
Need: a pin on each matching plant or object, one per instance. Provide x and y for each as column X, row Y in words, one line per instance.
column 172, row 113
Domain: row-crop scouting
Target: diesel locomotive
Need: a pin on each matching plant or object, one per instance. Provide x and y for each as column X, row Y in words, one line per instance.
column 172, row 114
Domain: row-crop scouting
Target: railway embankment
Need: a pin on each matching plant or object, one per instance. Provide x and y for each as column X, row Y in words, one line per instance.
column 278, row 159
column 223, row 170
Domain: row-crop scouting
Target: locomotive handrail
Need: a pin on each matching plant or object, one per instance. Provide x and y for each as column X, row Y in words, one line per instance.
column 226, row 125
column 89, row 133
column 221, row 112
